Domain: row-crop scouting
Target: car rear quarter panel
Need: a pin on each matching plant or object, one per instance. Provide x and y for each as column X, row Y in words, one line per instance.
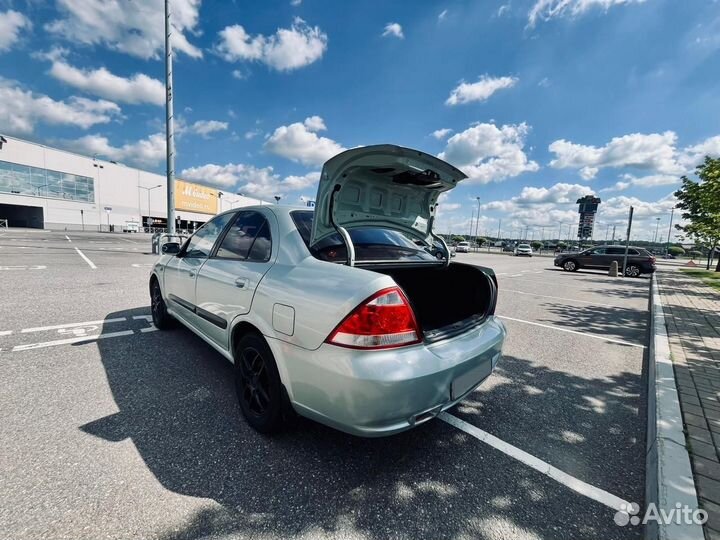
column 320, row 293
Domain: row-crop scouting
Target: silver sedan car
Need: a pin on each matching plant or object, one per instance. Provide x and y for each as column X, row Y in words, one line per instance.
column 344, row 315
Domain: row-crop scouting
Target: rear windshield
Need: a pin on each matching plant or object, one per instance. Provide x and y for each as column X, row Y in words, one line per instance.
column 371, row 243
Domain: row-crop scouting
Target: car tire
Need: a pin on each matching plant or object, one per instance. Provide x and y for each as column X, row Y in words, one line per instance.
column 632, row 270
column 160, row 317
column 570, row 265
column 258, row 385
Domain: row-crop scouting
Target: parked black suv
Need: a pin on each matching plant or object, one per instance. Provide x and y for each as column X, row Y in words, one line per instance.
column 639, row 260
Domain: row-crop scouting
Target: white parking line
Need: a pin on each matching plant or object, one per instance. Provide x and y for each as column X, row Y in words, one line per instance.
column 79, row 339
column 586, row 334
column 92, row 265
column 71, row 325
column 24, row 267
column 5, row 332
column 562, row 298
column 67, row 238
column 577, row 485
column 148, row 319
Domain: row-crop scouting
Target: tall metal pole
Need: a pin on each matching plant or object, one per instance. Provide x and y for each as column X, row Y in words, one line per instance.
column 169, row 123
column 613, row 238
column 472, row 219
column 477, row 224
column 627, row 240
column 499, row 223
column 656, row 231
column 667, row 247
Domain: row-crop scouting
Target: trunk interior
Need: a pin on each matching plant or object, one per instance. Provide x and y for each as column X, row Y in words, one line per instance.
column 446, row 300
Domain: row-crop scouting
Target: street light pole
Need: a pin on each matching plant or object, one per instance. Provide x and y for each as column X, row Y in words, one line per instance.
column 477, row 223
column 169, row 123
column 656, row 230
column 667, row 247
column 149, row 189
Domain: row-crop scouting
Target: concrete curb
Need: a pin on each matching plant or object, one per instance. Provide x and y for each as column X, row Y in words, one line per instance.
column 668, row 474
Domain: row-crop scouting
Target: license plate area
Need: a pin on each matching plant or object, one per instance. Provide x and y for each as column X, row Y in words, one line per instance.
column 467, row 381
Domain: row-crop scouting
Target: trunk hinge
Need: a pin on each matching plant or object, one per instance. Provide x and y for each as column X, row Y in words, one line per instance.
column 341, row 230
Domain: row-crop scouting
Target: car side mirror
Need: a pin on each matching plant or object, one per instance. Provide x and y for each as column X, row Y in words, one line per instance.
column 171, row 248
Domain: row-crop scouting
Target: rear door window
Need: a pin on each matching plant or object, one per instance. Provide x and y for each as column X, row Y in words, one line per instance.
column 248, row 238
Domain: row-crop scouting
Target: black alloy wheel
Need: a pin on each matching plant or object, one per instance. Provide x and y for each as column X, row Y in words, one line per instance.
column 257, row 384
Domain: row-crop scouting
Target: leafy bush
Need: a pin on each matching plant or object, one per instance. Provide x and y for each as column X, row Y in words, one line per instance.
column 676, row 250
column 695, row 254
column 536, row 245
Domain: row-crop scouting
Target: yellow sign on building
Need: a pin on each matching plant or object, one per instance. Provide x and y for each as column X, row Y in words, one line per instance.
column 195, row 198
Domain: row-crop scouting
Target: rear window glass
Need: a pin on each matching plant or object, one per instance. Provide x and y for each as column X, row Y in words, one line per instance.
column 371, row 243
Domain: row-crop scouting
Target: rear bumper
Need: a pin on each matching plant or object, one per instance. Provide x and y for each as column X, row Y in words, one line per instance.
column 378, row 393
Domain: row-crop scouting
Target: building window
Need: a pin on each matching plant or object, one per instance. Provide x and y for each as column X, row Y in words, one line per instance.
column 35, row 182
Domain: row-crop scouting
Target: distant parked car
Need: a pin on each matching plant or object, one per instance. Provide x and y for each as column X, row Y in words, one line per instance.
column 508, row 248
column 639, row 260
column 669, row 256
column 463, row 247
column 523, row 250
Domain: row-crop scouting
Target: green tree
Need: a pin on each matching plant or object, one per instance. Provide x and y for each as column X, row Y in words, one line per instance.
column 676, row 250
column 536, row 245
column 700, row 203
column 457, row 238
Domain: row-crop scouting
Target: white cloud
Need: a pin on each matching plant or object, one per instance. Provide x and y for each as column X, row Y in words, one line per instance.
column 653, row 180
column 138, row 30
column 206, row 127
column 487, row 153
column 314, row 123
column 442, row 15
column 252, row 134
column 238, row 74
column 502, row 10
column 481, row 90
column 136, row 89
column 297, row 183
column 548, row 9
column 440, row 134
column 287, row 49
column 588, row 173
column 249, row 180
column 300, row 143
column 21, row 109
column 147, row 152
column 654, row 151
column 295, row 3
column 11, row 23
column 393, row 29
column 694, row 155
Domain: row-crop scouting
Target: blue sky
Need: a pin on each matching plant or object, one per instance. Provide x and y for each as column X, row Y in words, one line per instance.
column 538, row 101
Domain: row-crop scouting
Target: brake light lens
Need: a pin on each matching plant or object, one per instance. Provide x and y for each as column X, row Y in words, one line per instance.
column 383, row 321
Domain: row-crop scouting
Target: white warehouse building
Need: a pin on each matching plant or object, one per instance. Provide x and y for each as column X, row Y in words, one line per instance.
column 43, row 187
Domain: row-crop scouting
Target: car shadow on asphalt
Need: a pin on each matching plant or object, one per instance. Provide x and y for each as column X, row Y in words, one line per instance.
column 613, row 322
column 176, row 403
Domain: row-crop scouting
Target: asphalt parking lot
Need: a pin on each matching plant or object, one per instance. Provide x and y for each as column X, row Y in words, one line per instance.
column 112, row 429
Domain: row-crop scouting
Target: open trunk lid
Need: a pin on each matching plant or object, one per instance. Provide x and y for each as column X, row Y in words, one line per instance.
column 381, row 186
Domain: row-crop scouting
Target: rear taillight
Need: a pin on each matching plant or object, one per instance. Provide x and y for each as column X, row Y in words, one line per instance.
column 652, row 260
column 383, row 321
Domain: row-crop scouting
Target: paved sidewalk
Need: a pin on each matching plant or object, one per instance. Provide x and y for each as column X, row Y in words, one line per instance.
column 692, row 315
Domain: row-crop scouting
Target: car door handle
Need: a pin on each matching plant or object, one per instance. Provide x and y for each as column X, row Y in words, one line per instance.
column 192, row 274
column 241, row 283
